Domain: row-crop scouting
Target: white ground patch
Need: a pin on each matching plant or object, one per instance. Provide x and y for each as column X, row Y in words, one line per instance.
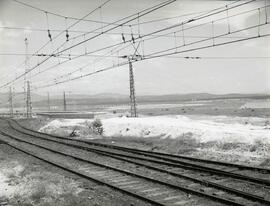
column 50, row 185
column 7, row 189
column 224, row 129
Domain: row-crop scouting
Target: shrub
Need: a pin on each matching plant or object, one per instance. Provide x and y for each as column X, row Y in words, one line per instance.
column 97, row 127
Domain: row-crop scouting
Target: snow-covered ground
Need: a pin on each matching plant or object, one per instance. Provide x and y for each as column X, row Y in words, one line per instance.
column 202, row 128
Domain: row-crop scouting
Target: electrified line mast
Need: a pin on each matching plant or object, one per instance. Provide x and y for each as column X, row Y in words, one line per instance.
column 11, row 114
column 28, row 101
column 48, row 101
column 133, row 105
column 132, row 96
column 64, row 102
column 27, row 93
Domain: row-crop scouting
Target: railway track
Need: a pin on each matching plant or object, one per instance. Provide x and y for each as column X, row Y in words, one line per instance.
column 200, row 181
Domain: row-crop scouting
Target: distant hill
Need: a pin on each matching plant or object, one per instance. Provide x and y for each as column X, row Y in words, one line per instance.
column 198, row 96
column 19, row 98
column 114, row 98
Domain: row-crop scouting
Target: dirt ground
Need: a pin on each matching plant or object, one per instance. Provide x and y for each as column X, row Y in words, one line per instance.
column 257, row 154
column 228, row 107
column 254, row 155
column 26, row 181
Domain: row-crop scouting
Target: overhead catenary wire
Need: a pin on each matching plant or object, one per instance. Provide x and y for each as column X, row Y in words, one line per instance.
column 215, row 37
column 222, row 36
column 145, row 11
column 190, row 20
column 109, row 23
column 126, row 22
column 92, row 52
column 109, row 46
column 60, row 15
column 151, row 56
column 80, row 70
column 62, row 31
column 215, row 9
column 150, row 34
column 109, row 33
column 203, row 24
column 73, row 24
column 146, row 58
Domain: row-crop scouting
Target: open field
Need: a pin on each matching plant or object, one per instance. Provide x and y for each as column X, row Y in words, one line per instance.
column 218, row 129
column 222, row 130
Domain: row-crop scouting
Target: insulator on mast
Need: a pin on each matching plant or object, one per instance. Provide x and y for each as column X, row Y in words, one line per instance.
column 133, row 40
column 67, row 35
column 49, row 35
column 123, row 38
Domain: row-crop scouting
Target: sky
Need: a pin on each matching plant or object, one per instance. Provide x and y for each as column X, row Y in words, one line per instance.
column 219, row 71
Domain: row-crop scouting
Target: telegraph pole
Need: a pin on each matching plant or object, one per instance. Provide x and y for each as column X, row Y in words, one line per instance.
column 11, row 114
column 28, row 101
column 64, row 101
column 48, row 101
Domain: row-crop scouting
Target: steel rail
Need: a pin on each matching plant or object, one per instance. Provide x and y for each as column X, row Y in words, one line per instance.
column 202, row 182
column 174, row 163
column 177, row 187
column 263, row 170
column 84, row 176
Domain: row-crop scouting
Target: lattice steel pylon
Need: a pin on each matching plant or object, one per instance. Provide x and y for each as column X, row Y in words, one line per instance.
column 133, row 105
column 28, row 101
column 48, row 101
column 26, row 87
column 11, row 114
column 64, row 102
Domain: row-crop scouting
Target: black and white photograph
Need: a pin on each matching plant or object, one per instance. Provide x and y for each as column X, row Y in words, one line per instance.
column 134, row 102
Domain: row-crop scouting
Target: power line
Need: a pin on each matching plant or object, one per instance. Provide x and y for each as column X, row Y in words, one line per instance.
column 149, row 34
column 221, row 36
column 145, row 11
column 211, row 22
column 211, row 14
column 219, row 57
column 184, row 57
column 189, row 20
column 130, row 41
column 55, row 38
column 215, row 37
column 200, row 17
column 130, row 20
column 141, row 15
column 92, row 11
column 152, row 57
column 62, row 16
column 109, row 33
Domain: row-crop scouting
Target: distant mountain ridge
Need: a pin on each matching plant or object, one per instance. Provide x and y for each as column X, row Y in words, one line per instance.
column 114, row 98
